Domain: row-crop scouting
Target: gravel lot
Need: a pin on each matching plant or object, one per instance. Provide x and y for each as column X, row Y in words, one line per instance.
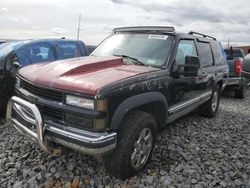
column 192, row 152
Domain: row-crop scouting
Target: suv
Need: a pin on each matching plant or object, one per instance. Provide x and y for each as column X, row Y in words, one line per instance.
column 18, row 54
column 113, row 103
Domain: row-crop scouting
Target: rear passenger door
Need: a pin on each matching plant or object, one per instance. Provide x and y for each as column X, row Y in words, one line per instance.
column 205, row 79
column 220, row 62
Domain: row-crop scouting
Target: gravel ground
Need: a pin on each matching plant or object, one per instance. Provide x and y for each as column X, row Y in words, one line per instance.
column 192, row 152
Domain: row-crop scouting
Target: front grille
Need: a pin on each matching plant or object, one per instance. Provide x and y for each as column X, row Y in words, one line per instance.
column 42, row 92
column 49, row 113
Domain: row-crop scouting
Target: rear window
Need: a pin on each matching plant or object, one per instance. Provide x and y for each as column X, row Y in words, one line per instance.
column 234, row 53
column 205, row 53
column 70, row 50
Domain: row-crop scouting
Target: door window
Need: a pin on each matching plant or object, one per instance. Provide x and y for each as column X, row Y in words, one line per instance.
column 36, row 53
column 185, row 48
column 205, row 53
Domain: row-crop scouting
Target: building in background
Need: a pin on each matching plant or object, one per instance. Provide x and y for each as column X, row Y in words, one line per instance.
column 246, row 49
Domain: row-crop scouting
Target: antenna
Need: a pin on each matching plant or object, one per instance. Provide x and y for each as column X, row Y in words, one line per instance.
column 228, row 42
column 78, row 33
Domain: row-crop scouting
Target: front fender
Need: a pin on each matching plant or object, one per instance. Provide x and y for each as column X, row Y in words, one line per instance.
column 134, row 102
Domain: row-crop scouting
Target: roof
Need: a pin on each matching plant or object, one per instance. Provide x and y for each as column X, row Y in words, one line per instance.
column 146, row 29
column 161, row 30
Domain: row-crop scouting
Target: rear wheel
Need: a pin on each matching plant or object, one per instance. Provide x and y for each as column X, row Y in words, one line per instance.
column 210, row 108
column 135, row 142
column 240, row 93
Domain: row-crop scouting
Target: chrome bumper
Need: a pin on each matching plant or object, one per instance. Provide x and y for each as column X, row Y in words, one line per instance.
column 85, row 141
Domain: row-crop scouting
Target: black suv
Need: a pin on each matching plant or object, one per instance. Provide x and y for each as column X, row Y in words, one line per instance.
column 113, row 102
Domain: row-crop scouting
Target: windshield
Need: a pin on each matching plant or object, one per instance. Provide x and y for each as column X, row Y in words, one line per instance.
column 6, row 48
column 149, row 49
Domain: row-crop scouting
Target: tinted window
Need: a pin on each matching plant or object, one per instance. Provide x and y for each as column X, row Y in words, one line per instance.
column 70, row 50
column 205, row 53
column 36, row 53
column 218, row 53
column 185, row 48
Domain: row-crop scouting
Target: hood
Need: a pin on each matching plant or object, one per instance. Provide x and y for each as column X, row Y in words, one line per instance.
column 85, row 75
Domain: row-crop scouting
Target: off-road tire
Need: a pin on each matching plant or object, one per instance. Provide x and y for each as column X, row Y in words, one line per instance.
column 207, row 109
column 118, row 163
column 240, row 93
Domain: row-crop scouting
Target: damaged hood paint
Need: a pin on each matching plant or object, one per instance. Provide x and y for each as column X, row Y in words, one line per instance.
column 85, row 75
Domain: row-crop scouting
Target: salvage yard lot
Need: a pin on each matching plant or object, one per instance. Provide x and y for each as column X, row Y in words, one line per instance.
column 191, row 152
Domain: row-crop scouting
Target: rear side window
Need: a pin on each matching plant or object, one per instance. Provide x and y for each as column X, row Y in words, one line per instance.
column 36, row 53
column 185, row 48
column 70, row 50
column 205, row 53
column 218, row 53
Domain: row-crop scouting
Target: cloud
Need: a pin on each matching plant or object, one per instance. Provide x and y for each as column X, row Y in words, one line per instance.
column 99, row 17
column 4, row 10
column 58, row 30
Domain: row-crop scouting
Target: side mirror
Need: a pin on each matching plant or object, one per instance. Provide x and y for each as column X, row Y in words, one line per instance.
column 246, row 67
column 191, row 66
column 16, row 64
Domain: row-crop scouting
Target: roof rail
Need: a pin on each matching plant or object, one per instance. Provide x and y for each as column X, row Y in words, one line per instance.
column 201, row 34
column 145, row 29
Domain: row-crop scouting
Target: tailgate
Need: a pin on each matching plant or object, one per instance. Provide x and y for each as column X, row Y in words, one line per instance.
column 231, row 66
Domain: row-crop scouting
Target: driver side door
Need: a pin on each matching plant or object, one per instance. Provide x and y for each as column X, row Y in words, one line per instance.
column 182, row 93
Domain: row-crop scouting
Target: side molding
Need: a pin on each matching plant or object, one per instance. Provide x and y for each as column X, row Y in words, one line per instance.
column 133, row 102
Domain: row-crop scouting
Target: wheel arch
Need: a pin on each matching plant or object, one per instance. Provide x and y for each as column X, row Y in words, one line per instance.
column 154, row 103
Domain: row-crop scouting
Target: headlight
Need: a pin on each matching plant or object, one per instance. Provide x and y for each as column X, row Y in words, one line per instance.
column 80, row 102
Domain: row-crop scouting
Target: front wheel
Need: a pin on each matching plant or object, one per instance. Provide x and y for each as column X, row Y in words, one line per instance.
column 135, row 141
column 210, row 108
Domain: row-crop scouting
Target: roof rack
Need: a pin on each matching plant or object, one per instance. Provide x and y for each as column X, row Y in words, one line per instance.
column 145, row 29
column 201, row 34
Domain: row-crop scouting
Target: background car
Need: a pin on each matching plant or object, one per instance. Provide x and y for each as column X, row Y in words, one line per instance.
column 14, row 55
column 246, row 67
column 2, row 41
column 236, row 80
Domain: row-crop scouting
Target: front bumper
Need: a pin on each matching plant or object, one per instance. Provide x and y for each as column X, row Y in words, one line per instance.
column 91, row 143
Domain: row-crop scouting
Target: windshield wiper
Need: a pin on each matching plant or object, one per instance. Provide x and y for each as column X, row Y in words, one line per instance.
column 138, row 62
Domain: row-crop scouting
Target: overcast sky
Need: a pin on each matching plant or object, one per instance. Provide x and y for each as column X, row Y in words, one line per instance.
column 22, row 19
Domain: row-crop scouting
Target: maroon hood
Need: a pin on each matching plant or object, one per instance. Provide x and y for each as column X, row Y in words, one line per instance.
column 85, row 75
